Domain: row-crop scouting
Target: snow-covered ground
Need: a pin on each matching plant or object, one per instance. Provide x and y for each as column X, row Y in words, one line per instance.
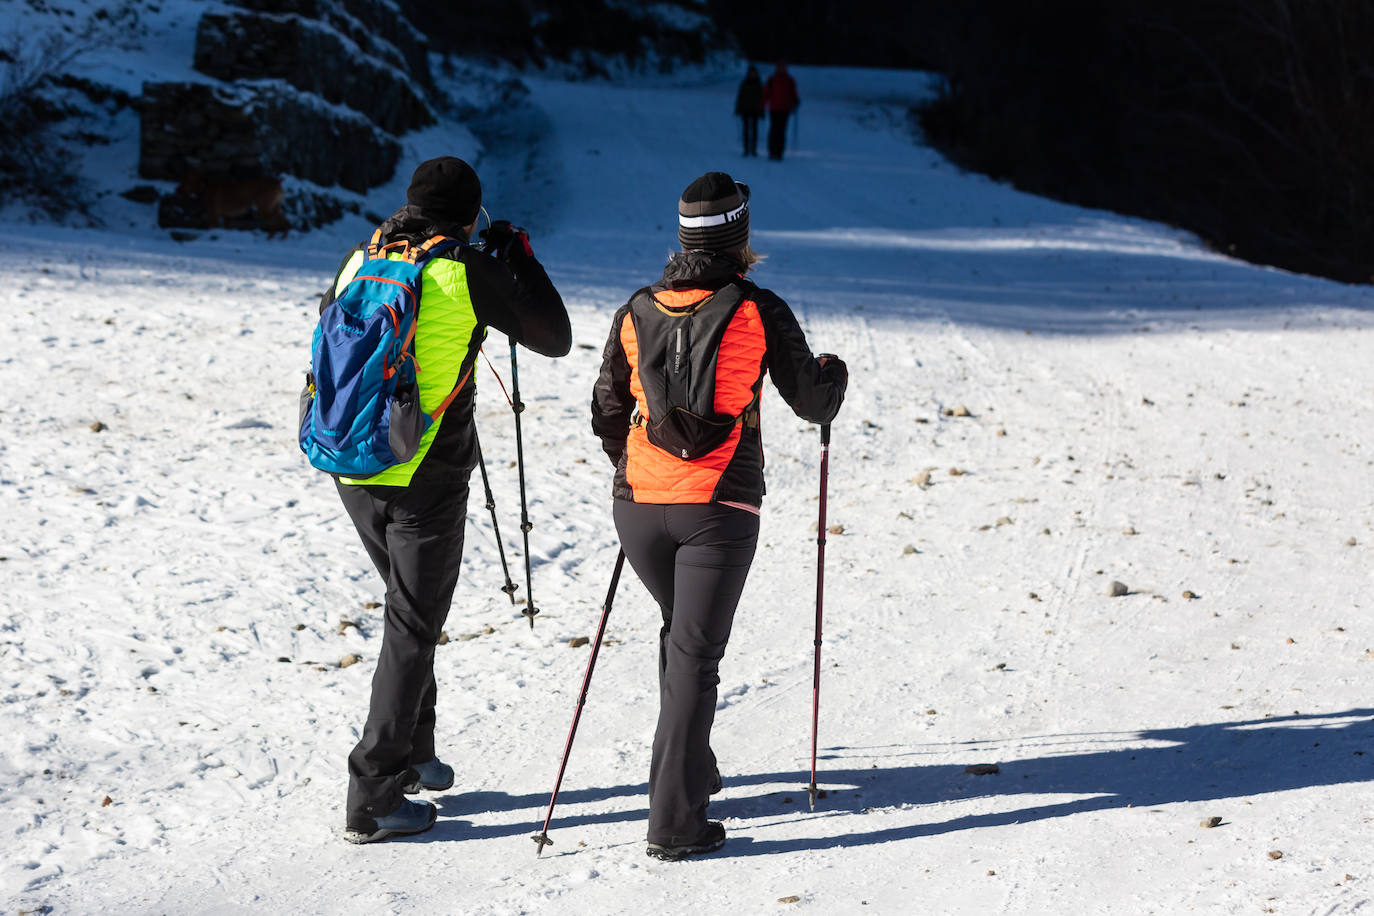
column 1139, row 410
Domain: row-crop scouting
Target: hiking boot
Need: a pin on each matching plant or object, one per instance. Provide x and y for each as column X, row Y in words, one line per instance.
column 710, row 841
column 434, row 775
column 409, row 817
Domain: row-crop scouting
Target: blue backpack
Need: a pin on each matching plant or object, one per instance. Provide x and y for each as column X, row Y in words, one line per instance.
column 360, row 409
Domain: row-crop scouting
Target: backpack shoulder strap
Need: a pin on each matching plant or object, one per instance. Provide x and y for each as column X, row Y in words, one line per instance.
column 374, row 247
column 431, row 248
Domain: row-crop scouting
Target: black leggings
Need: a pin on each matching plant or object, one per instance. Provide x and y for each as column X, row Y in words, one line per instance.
column 694, row 559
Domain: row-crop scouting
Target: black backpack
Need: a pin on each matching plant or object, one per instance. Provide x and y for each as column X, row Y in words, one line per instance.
column 678, row 348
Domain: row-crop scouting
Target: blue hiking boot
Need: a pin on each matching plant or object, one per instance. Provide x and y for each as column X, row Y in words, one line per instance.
column 409, row 817
column 433, row 775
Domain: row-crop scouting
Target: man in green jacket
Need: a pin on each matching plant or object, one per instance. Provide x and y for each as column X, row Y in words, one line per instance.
column 411, row 516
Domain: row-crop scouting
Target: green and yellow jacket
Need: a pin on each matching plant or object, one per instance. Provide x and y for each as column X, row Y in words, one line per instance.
column 464, row 293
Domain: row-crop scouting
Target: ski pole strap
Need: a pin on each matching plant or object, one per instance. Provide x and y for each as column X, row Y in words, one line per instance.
column 498, row 377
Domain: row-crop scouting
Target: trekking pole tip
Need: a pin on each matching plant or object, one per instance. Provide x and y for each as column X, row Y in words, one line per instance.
column 540, row 841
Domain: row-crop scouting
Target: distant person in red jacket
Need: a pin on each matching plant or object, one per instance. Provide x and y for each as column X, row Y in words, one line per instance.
column 781, row 99
column 749, row 107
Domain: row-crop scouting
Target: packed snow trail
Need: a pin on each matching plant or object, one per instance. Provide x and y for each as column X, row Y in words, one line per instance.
column 182, row 591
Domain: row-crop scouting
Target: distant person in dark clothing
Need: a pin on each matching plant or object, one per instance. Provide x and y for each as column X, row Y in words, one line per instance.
column 781, row 99
column 749, row 107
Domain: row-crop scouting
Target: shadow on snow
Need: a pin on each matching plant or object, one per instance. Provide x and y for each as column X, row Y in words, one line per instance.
column 1199, row 763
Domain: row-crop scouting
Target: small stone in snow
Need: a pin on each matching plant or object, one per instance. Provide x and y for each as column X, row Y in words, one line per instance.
column 1117, row 589
column 1004, row 520
column 909, row 549
column 106, row 802
column 371, row 605
column 443, row 637
column 790, row 899
column 1275, row 854
column 578, row 642
column 98, row 427
column 956, row 472
column 922, row 479
column 349, row 659
column 1190, row 595
column 1130, row 531
column 298, row 627
column 982, row 769
column 1034, row 596
column 345, row 624
column 1351, row 543
column 836, row 529
column 959, row 411
column 1210, row 822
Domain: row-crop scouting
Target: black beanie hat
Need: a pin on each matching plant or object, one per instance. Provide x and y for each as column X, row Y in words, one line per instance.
column 713, row 214
column 446, row 187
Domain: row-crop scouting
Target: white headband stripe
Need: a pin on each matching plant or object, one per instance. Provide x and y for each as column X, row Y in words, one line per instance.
column 717, row 219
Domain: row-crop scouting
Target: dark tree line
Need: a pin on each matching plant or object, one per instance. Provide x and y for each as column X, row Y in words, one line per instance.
column 1250, row 122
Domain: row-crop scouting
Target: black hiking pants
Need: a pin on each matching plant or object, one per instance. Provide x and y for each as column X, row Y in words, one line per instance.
column 751, row 134
column 693, row 559
column 414, row 536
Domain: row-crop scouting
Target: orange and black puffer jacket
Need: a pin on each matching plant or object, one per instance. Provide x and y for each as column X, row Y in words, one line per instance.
column 739, row 333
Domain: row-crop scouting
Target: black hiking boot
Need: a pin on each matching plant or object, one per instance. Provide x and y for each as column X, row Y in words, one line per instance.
column 710, row 841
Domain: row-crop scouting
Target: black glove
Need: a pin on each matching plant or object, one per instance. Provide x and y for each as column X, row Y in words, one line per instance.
column 495, row 238
column 834, row 370
column 505, row 242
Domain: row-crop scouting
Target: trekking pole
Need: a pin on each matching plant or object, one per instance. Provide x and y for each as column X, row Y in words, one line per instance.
column 820, row 592
column 518, row 406
column 510, row 587
column 541, row 838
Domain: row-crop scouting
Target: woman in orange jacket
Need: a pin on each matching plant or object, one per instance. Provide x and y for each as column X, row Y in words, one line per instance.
column 676, row 408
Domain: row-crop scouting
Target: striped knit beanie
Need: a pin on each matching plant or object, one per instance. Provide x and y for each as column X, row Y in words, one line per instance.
column 713, row 214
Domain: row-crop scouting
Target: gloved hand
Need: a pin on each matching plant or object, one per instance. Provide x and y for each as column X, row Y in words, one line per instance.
column 495, row 238
column 833, row 369
column 505, row 242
